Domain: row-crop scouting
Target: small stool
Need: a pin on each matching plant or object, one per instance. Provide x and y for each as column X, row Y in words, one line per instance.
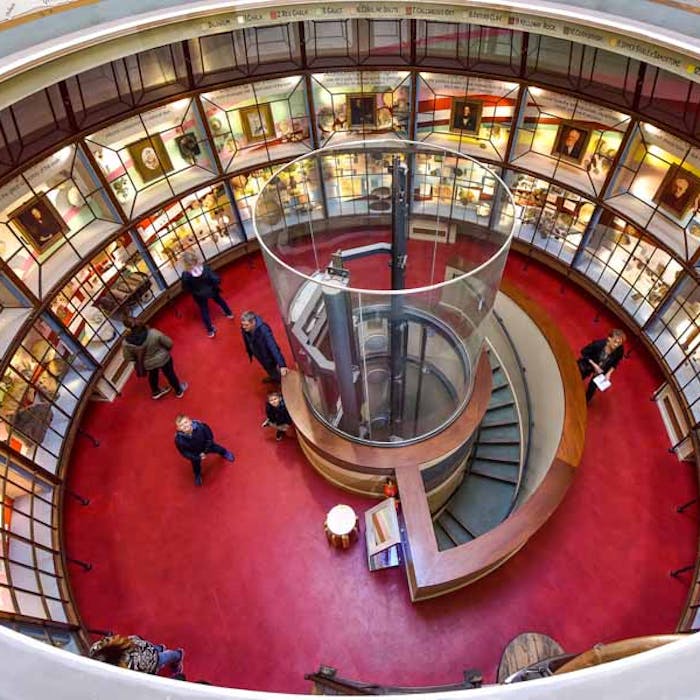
column 341, row 526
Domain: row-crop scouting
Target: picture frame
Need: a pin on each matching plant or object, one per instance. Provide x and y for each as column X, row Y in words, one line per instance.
column 39, row 222
column 257, row 123
column 678, row 192
column 571, row 141
column 188, row 145
column 465, row 116
column 361, row 110
column 150, row 157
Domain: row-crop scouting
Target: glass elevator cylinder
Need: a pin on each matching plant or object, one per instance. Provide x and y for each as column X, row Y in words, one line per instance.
column 385, row 257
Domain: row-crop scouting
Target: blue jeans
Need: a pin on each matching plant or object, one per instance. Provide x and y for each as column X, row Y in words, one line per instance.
column 168, row 657
column 169, row 372
column 203, row 304
column 197, row 463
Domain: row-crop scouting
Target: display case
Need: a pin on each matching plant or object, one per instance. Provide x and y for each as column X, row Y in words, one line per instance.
column 246, row 188
column 116, row 282
column 470, row 114
column 549, row 216
column 50, row 216
column 29, row 581
column 40, row 389
column 203, row 221
column 361, row 105
column 447, row 187
column 675, row 332
column 628, row 265
column 255, row 123
column 357, row 182
column 569, row 140
column 151, row 157
column 658, row 188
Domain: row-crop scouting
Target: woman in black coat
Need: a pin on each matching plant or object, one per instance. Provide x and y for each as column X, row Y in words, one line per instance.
column 601, row 357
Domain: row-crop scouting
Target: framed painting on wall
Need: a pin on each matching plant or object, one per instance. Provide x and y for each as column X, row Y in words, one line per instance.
column 257, row 123
column 39, row 222
column 678, row 192
column 465, row 116
column 571, row 141
column 150, row 158
column 362, row 110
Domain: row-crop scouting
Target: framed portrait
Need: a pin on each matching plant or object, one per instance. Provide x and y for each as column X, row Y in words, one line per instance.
column 39, row 222
column 362, row 110
column 188, row 146
column 678, row 192
column 465, row 116
column 571, row 141
column 257, row 123
column 150, row 158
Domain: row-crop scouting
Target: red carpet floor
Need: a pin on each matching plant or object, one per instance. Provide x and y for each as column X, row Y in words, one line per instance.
column 239, row 573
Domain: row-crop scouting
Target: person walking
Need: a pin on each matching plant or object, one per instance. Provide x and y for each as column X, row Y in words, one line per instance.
column 600, row 358
column 149, row 350
column 195, row 440
column 261, row 345
column 203, row 284
column 277, row 415
column 137, row 654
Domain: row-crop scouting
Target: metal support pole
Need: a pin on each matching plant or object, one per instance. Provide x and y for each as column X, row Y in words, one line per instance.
column 95, row 442
column 84, row 565
column 338, row 312
column 675, row 573
column 79, row 498
column 397, row 323
column 680, row 509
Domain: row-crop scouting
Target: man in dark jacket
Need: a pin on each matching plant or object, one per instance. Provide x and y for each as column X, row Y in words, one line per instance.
column 194, row 441
column 261, row 345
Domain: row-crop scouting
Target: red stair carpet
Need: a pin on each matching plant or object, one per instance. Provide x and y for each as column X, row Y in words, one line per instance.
column 238, row 572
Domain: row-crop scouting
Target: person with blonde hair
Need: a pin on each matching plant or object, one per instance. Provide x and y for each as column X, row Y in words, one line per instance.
column 136, row 654
column 600, row 358
column 194, row 440
column 203, row 284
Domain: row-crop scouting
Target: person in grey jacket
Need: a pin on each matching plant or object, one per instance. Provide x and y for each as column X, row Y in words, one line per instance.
column 149, row 350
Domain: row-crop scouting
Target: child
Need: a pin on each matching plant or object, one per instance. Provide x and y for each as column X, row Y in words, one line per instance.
column 277, row 415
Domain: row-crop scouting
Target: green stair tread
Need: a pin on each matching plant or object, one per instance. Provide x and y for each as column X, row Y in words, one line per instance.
column 502, row 453
column 443, row 541
column 496, row 470
column 481, row 503
column 495, row 433
column 454, row 529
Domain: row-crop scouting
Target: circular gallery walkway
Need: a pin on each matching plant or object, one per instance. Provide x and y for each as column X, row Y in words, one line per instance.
column 239, row 573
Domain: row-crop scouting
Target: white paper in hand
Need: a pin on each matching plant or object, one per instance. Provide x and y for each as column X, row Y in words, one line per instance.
column 602, row 382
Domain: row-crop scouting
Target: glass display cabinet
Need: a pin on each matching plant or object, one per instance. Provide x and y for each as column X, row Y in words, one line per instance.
column 549, row 216
column 565, row 138
column 51, row 216
column 41, row 387
column 472, row 115
column 30, row 585
column 620, row 259
column 258, row 122
column 657, row 187
column 151, row 157
column 116, row 282
column 361, row 104
column 203, row 221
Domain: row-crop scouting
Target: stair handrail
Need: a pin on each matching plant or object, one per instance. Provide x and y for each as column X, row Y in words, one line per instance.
column 525, row 426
